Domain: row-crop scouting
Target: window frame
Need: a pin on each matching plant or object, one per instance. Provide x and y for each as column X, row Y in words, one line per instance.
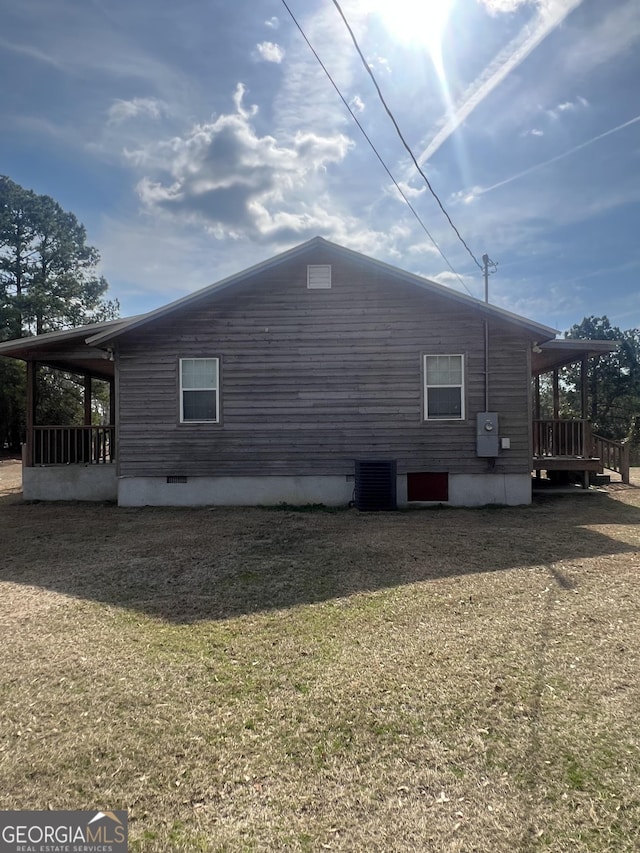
column 181, row 389
column 461, row 386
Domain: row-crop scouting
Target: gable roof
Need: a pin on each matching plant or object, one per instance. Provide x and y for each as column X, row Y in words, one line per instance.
column 537, row 330
column 83, row 347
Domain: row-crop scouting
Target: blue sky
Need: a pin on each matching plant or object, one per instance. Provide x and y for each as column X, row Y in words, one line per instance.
column 194, row 139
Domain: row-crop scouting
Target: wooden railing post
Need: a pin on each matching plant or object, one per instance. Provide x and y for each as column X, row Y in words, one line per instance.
column 31, row 409
column 625, row 461
column 587, row 439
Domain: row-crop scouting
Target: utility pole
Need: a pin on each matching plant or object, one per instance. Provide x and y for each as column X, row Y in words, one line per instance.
column 486, row 263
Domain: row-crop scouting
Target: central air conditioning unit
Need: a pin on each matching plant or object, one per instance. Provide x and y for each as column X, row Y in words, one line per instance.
column 375, row 484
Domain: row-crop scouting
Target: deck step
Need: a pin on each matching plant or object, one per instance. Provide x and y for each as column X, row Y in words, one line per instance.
column 599, row 479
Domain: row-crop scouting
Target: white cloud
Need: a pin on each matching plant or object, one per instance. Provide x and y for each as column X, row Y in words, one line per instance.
column 380, row 62
column 409, row 190
column 273, row 23
column 608, row 39
column 467, row 196
column 451, row 279
column 357, row 104
column 79, row 41
column 31, row 52
column 550, row 14
column 498, row 7
column 547, row 306
column 146, row 255
column 238, row 100
column 425, row 247
column 270, row 52
column 482, row 190
column 237, row 183
column 535, row 131
column 305, row 98
column 38, row 127
column 568, row 107
column 121, row 110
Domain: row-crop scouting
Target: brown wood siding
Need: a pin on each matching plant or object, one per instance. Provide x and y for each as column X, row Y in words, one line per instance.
column 312, row 379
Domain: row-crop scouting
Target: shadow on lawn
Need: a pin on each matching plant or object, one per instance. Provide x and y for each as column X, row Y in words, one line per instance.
column 185, row 565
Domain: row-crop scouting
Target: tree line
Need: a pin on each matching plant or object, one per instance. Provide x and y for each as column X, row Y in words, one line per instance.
column 613, row 379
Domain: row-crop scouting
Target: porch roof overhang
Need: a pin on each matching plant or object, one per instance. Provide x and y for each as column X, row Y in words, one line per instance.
column 552, row 355
column 67, row 350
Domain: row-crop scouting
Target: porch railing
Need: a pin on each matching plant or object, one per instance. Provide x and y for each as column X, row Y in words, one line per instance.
column 573, row 438
column 562, row 438
column 614, row 455
column 77, row 445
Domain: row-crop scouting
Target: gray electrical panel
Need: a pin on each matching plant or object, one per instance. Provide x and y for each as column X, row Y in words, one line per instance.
column 487, row 439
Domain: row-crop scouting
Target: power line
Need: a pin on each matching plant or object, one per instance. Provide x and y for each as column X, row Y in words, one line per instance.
column 374, row 149
column 399, row 132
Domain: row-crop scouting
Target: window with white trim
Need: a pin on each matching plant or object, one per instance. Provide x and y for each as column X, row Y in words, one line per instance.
column 199, row 390
column 444, row 387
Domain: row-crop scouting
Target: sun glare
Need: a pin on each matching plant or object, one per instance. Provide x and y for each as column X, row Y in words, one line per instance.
column 417, row 21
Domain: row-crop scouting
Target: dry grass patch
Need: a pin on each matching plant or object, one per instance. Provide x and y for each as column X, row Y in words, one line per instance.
column 247, row 680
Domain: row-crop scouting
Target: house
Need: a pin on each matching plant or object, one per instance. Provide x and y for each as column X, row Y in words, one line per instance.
column 312, row 377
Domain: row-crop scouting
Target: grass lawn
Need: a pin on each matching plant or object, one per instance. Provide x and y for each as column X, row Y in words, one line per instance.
column 255, row 680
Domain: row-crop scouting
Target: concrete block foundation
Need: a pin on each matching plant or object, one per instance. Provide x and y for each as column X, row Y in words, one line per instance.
column 70, row 483
column 464, row 490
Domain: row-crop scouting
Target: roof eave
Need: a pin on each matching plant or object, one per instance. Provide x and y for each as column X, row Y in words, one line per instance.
column 76, row 333
column 561, row 353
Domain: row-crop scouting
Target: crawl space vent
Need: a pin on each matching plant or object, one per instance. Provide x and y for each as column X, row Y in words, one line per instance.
column 428, row 486
column 319, row 276
column 176, row 479
column 375, row 484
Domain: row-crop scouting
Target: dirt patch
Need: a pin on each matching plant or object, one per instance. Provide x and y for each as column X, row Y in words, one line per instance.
column 10, row 478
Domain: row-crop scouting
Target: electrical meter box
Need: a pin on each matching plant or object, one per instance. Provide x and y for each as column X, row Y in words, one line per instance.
column 487, row 438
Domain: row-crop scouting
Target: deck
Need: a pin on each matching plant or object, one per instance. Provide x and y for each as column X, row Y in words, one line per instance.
column 571, row 446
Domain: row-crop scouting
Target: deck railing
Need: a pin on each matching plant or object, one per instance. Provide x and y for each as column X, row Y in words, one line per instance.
column 77, row 445
column 554, row 437
column 614, row 455
column 573, row 438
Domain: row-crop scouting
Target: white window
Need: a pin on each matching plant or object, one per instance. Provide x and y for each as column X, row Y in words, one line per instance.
column 199, row 390
column 444, row 387
column 319, row 276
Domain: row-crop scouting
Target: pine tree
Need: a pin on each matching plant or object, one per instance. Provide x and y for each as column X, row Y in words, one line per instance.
column 48, row 281
column 48, row 277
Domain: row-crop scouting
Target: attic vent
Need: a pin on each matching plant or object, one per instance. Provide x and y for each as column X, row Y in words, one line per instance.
column 375, row 484
column 176, row 479
column 319, row 276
